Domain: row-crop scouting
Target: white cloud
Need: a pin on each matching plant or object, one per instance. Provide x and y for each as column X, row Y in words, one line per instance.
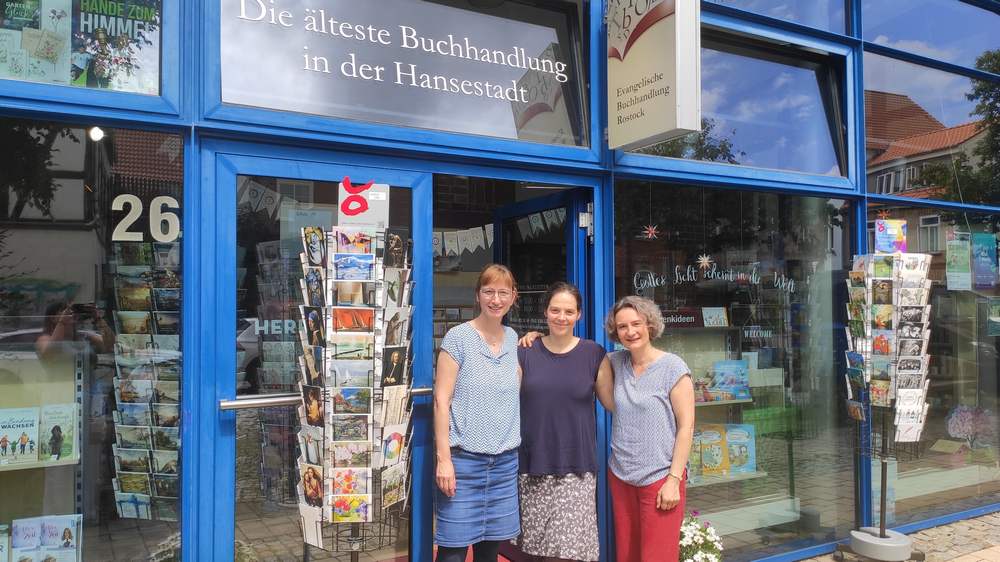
column 781, row 80
column 941, row 94
column 711, row 98
column 918, row 48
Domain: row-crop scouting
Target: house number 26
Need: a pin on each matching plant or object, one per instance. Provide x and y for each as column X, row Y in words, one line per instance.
column 164, row 224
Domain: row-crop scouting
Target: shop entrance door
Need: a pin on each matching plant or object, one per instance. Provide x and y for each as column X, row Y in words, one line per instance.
column 545, row 240
column 313, row 421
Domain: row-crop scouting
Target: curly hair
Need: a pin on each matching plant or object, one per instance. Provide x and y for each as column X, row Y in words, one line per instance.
column 644, row 308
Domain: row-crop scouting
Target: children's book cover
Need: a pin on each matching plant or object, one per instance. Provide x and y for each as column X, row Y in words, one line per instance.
column 18, row 435
column 727, row 380
column 742, row 445
column 714, row 452
column 57, row 431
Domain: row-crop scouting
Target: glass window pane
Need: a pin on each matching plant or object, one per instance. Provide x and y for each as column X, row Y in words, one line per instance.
column 945, row 126
column 500, row 69
column 276, row 448
column 91, row 44
column 764, row 110
column 90, row 332
column 749, row 285
column 947, row 30
column 822, row 14
column 954, row 465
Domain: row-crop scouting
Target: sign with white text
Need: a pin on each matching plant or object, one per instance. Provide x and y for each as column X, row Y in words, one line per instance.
column 654, row 71
column 406, row 62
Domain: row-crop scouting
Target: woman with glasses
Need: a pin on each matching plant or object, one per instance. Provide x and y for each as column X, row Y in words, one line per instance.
column 558, row 454
column 477, row 427
column 652, row 397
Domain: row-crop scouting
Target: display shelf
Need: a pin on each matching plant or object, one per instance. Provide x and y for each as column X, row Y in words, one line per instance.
column 38, row 464
column 723, row 402
column 757, row 513
column 712, row 480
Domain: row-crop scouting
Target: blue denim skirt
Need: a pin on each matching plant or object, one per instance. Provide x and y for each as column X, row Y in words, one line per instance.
column 485, row 506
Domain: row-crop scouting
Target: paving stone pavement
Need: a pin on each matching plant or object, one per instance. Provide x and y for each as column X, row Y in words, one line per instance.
column 970, row 540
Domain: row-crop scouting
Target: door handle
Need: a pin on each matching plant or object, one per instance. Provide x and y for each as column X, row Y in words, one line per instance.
column 426, row 391
column 256, row 401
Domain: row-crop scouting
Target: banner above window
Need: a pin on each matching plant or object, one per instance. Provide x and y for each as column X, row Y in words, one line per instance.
column 408, row 62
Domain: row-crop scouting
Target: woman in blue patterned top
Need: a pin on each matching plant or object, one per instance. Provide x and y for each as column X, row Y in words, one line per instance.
column 477, row 427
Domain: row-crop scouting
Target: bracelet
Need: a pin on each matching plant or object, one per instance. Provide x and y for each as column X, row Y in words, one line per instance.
column 679, row 479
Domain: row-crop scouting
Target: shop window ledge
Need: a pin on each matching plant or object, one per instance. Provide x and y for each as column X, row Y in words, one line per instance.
column 39, row 464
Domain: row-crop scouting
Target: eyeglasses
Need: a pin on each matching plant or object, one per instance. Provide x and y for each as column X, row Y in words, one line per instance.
column 489, row 294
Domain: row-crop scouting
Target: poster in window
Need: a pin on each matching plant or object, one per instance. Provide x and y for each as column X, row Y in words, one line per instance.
column 957, row 265
column 890, row 236
column 984, row 260
column 119, row 51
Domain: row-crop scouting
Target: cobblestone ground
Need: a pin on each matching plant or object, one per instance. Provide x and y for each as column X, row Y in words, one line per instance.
column 971, row 540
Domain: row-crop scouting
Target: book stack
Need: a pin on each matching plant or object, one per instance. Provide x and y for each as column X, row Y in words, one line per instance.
column 354, row 375
column 888, row 332
column 147, row 286
column 53, row 538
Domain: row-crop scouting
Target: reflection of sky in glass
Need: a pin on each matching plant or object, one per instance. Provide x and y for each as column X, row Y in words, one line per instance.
column 822, row 14
column 946, row 30
column 770, row 111
column 941, row 94
column 247, row 47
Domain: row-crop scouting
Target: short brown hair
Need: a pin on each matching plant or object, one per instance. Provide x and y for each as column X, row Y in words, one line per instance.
column 564, row 287
column 643, row 307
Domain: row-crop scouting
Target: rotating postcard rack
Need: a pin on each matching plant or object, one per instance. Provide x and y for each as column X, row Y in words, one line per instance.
column 355, row 387
column 888, row 332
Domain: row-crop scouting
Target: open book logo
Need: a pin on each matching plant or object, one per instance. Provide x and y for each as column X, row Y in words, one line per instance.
column 629, row 19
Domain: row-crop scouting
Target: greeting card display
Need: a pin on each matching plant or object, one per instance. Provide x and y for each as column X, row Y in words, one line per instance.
column 147, row 284
column 354, row 379
column 887, row 361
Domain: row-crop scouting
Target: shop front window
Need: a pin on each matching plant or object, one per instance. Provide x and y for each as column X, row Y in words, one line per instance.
column 90, row 44
column 765, row 107
column 750, row 288
column 90, row 355
column 953, row 466
column 948, row 30
column 500, row 69
column 944, row 124
column 822, row 14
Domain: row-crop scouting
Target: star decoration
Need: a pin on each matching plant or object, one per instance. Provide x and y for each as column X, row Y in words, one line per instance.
column 883, row 214
column 704, row 261
column 651, row 231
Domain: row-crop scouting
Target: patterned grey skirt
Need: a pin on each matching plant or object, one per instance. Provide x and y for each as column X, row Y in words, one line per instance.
column 559, row 516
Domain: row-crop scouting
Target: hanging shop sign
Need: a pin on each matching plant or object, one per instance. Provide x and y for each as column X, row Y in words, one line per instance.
column 403, row 62
column 654, row 71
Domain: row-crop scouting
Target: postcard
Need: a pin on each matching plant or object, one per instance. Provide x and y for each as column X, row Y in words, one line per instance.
column 132, row 483
column 396, row 327
column 315, row 246
column 856, row 279
column 166, row 415
column 168, row 300
column 882, row 367
column 167, row 392
column 351, row 454
column 131, row 460
column 349, row 373
column 352, row 400
column 882, row 267
column 166, row 509
column 909, row 380
column 714, row 317
column 914, row 313
column 312, row 484
column 133, row 253
column 352, row 293
column 882, row 315
column 135, row 437
column 393, row 443
column 133, row 506
column 393, row 485
column 352, row 508
column 312, row 400
column 913, row 297
column 311, row 444
column 354, row 241
column 350, row 481
column 397, row 248
column 912, row 347
column 165, row 462
column 393, row 366
column 314, row 320
column 165, row 485
column 351, row 347
column 879, row 391
column 313, row 286
column 856, row 410
column 883, row 342
column 166, row 438
column 134, row 298
column 352, row 319
column 882, row 291
column 133, row 414
column 350, row 427
column 396, row 283
column 134, row 391
column 134, row 322
column 855, row 360
column 353, row 267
